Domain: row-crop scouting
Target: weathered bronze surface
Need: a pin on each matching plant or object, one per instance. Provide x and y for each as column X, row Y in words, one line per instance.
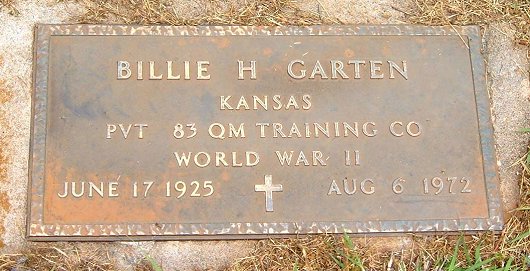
column 388, row 126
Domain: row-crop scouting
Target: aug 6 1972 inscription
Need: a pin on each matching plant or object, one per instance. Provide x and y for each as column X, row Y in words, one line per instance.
column 159, row 132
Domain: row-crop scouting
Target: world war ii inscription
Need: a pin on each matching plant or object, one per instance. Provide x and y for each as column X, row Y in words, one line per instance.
column 245, row 132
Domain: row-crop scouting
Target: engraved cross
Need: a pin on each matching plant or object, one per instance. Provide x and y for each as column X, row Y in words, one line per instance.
column 268, row 188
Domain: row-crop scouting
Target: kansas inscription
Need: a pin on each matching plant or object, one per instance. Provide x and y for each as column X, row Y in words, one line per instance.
column 237, row 132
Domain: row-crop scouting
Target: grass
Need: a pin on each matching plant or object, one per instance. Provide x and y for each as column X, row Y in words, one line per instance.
column 486, row 251
column 254, row 12
column 71, row 256
column 9, row 6
column 59, row 256
column 481, row 12
column 347, row 257
column 286, row 12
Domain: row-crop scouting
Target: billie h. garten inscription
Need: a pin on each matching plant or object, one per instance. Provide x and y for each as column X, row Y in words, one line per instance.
column 166, row 132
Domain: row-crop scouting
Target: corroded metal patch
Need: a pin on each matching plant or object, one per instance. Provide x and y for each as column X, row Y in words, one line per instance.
column 162, row 132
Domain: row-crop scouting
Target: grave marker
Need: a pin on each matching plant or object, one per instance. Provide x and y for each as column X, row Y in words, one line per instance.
column 161, row 132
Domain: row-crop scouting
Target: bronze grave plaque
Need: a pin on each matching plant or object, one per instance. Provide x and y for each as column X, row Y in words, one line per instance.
column 162, row 132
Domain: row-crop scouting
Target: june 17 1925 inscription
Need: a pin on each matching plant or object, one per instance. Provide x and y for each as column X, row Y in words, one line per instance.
column 160, row 132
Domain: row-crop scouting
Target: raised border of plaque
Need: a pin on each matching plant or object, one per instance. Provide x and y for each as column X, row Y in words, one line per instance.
column 37, row 230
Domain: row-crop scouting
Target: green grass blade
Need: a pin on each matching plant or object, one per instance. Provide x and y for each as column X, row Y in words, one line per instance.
column 348, row 241
column 478, row 258
column 454, row 258
column 358, row 263
column 480, row 264
column 467, row 253
column 339, row 263
column 508, row 265
column 295, row 267
column 154, row 264
column 402, row 267
column 522, row 208
column 419, row 264
column 520, row 237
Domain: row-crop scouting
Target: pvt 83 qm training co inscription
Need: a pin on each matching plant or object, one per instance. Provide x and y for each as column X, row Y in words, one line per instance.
column 220, row 132
column 277, row 102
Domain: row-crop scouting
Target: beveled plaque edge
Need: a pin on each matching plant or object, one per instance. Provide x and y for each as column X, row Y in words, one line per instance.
column 38, row 231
